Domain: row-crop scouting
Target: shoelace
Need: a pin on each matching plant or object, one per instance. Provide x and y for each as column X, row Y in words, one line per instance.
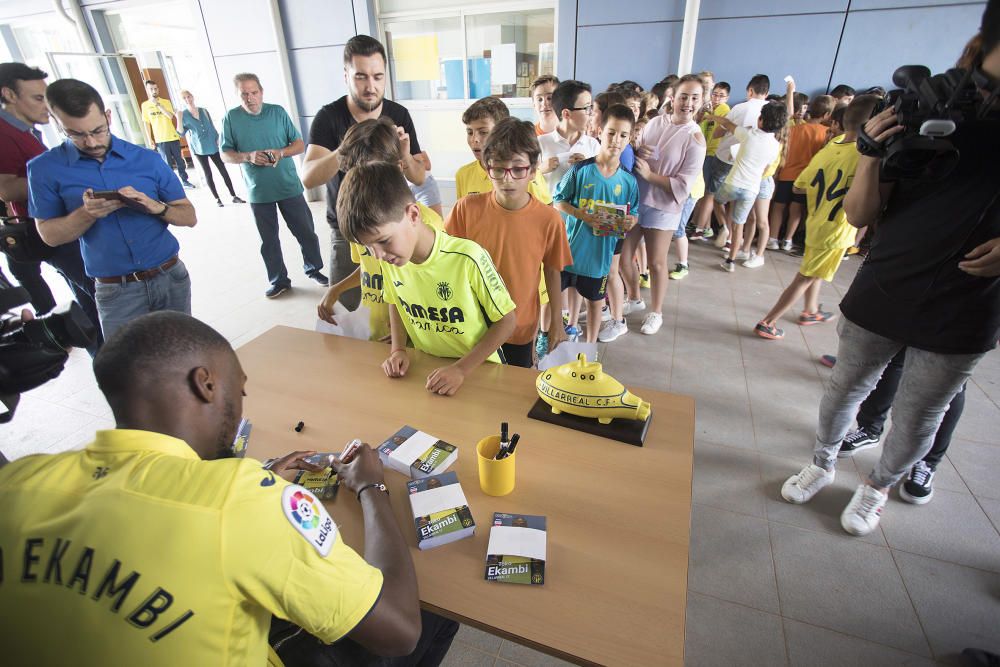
column 921, row 473
column 869, row 502
column 807, row 477
column 860, row 434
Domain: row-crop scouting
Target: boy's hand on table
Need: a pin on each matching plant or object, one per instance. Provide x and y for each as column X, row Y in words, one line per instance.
column 445, row 380
column 397, row 364
column 363, row 469
column 325, row 308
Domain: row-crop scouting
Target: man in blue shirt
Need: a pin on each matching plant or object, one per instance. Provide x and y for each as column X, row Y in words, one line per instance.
column 261, row 138
column 118, row 200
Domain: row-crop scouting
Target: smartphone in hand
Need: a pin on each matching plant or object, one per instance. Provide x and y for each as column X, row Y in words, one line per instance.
column 114, row 195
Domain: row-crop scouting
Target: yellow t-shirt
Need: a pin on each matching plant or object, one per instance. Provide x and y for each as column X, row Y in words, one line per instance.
column 472, row 179
column 371, row 279
column 708, row 129
column 826, row 180
column 141, row 553
column 164, row 127
column 698, row 189
column 445, row 301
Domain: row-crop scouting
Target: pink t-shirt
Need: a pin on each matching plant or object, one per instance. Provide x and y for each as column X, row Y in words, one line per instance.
column 678, row 154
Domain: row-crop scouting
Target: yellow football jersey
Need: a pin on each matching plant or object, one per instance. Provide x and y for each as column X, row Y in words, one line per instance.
column 826, row 180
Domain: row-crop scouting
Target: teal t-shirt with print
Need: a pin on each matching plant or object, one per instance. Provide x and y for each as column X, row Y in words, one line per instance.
column 270, row 129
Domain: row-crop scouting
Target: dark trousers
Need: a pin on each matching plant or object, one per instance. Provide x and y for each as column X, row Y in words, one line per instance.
column 304, row 650
column 297, row 216
column 217, row 159
column 875, row 409
column 69, row 263
column 170, row 151
column 517, row 355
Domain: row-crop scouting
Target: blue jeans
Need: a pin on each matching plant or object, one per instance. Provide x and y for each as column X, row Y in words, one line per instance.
column 929, row 383
column 297, row 216
column 171, row 150
column 119, row 303
column 686, row 212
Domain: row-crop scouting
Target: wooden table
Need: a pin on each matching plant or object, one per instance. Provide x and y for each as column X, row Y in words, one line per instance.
column 619, row 516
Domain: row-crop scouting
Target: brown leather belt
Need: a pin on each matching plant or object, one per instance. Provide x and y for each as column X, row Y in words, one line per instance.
column 136, row 276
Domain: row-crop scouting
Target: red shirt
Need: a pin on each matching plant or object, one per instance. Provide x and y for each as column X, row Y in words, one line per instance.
column 18, row 145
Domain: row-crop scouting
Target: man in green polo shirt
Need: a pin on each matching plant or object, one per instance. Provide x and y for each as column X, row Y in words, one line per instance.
column 261, row 138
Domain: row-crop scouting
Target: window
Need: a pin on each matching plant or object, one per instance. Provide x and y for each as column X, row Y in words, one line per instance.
column 468, row 53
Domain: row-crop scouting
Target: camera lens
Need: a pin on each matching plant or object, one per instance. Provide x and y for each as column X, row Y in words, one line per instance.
column 69, row 326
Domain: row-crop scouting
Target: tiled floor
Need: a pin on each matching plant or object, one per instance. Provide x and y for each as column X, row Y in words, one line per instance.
column 770, row 583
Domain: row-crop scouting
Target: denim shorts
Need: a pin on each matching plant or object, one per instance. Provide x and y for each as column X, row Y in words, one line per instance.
column 654, row 218
column 717, row 171
column 766, row 188
column 742, row 201
column 685, row 217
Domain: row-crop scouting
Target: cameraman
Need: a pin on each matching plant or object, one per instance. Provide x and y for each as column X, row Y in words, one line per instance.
column 931, row 284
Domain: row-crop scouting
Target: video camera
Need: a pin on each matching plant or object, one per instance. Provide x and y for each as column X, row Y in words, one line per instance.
column 33, row 352
column 930, row 108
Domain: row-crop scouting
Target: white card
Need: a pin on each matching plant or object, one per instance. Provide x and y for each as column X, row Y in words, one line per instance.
column 567, row 352
column 352, row 324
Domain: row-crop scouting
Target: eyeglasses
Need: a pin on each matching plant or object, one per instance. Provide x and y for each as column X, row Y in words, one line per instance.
column 82, row 136
column 589, row 110
column 516, row 173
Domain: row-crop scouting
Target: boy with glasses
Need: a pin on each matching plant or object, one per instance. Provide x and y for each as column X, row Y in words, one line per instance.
column 569, row 143
column 524, row 237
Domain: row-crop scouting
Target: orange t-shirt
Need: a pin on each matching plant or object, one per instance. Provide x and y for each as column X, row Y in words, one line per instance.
column 539, row 131
column 804, row 141
column 519, row 242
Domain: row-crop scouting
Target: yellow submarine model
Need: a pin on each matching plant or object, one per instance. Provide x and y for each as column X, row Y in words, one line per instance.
column 582, row 388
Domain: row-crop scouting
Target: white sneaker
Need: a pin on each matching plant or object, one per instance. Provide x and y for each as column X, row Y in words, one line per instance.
column 728, row 266
column 742, row 255
column 801, row 488
column 772, row 244
column 721, row 238
column 862, row 514
column 652, row 323
column 786, row 245
column 611, row 330
column 605, row 314
column 755, row 262
column 633, row 306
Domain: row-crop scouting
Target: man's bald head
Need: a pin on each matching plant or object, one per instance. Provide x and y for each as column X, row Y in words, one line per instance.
column 168, row 368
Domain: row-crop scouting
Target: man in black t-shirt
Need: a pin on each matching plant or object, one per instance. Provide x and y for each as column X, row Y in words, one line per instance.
column 931, row 284
column 364, row 73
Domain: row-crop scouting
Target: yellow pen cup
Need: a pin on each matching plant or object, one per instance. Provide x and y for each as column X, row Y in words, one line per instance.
column 496, row 478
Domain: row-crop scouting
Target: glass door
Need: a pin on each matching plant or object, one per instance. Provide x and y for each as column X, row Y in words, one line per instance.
column 110, row 75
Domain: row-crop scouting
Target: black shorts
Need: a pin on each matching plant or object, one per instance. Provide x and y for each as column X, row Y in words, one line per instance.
column 517, row 355
column 783, row 193
column 618, row 246
column 591, row 289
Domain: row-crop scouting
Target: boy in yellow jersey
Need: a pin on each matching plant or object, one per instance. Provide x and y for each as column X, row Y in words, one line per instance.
column 443, row 293
column 373, row 140
column 825, row 181
column 479, row 119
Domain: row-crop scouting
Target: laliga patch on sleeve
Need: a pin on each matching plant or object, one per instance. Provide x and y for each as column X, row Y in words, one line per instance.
column 308, row 516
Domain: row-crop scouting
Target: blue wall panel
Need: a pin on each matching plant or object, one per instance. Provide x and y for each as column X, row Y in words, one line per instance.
column 711, row 9
column 609, row 54
column 602, row 12
column 801, row 45
column 316, row 23
column 877, row 42
column 318, row 76
column 894, row 4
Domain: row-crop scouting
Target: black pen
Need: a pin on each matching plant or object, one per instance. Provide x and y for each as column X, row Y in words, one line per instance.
column 510, row 448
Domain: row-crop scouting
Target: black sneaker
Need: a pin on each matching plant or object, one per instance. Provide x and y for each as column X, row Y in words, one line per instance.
column 858, row 440
column 237, row 200
column 276, row 291
column 917, row 488
column 320, row 278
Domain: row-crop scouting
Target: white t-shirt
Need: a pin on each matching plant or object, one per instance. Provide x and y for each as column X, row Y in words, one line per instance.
column 758, row 149
column 744, row 114
column 553, row 145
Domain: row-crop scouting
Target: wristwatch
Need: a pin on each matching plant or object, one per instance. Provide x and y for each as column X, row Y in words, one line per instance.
column 374, row 485
column 166, row 207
